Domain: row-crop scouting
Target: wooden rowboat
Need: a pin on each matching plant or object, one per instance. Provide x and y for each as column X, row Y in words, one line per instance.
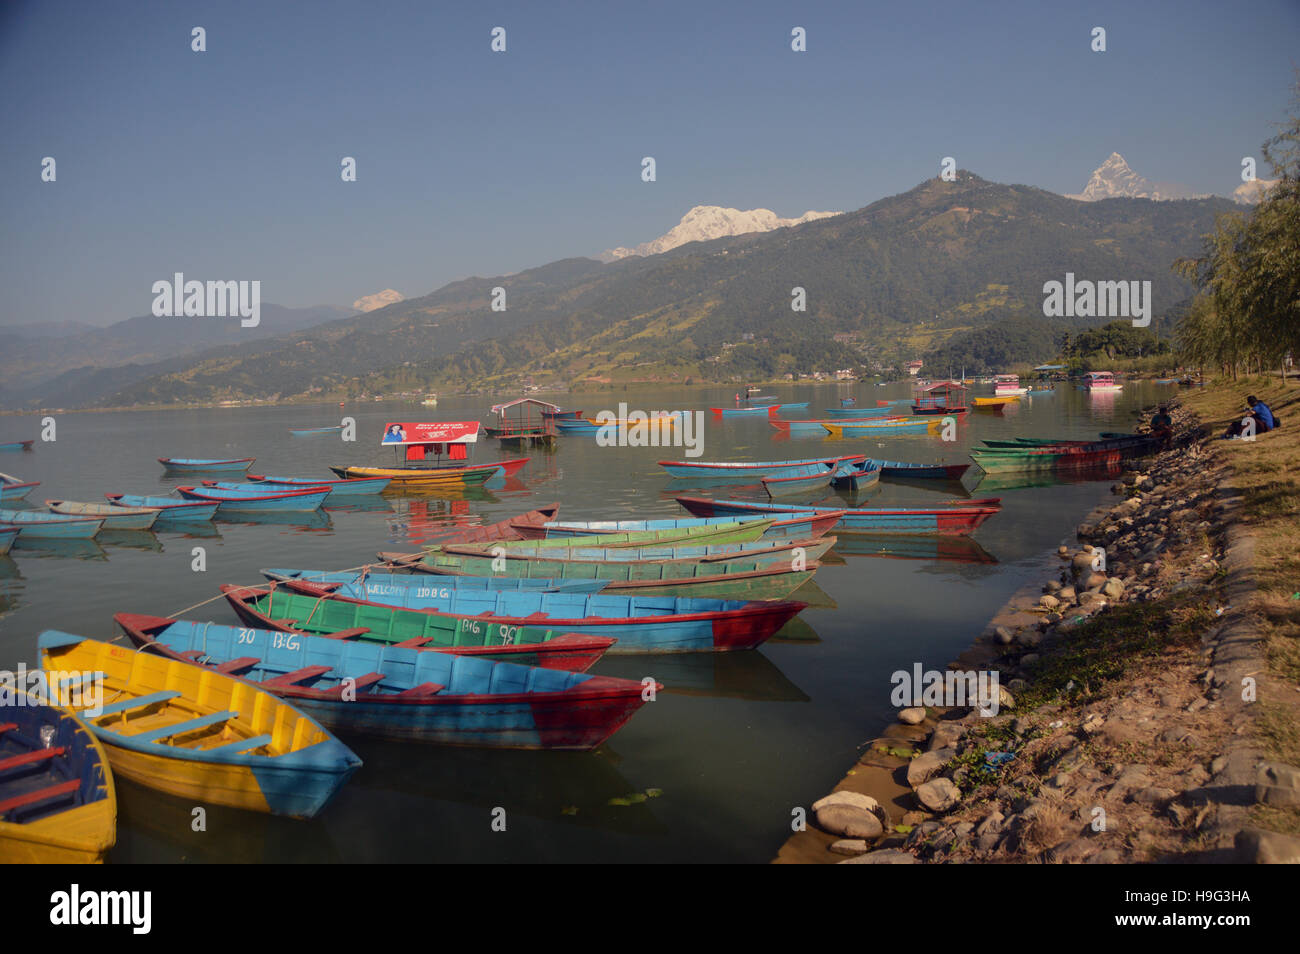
column 898, row 468
column 808, row 525
column 753, row 470
column 37, row 523
column 169, row 508
column 58, row 804
column 640, row 624
column 270, row 607
column 886, row 426
column 313, row 431
column 401, row 693
column 433, row 478
column 957, row 519
column 235, row 499
column 371, row 585
column 737, row 531
column 341, row 487
column 198, row 465
column 995, row 403
column 12, row 488
column 581, row 551
column 201, row 735
column 115, row 518
column 17, row 445
column 761, row 411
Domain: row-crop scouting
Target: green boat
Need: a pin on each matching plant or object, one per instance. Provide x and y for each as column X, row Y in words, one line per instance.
column 737, row 581
column 737, row 531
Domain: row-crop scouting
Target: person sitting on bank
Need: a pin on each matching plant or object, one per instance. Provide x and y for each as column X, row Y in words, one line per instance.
column 1262, row 413
column 1162, row 425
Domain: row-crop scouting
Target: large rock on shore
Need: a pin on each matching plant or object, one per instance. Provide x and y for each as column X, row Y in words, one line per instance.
column 851, row 814
column 939, row 795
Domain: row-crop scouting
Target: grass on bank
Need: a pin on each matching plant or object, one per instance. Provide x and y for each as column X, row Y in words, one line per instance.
column 1267, row 472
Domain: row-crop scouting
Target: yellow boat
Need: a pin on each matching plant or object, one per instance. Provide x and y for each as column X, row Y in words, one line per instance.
column 57, row 800
column 200, row 734
column 996, row 401
column 424, row 478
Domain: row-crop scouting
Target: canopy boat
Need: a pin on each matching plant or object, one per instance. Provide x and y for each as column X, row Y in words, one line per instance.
column 422, row 467
column 235, row 498
column 401, row 693
column 313, row 431
column 201, row 735
column 801, row 526
column 115, row 518
column 523, row 421
column 272, row 607
column 737, row 531
column 898, row 468
column 1101, row 382
column 753, row 470
column 944, row 398
column 7, row 537
column 640, row 624
column 12, row 488
column 58, row 804
column 196, row 465
column 1008, row 385
column 169, row 508
column 886, row 426
column 760, row 411
column 338, row 488
column 369, row 585
column 958, row 519
column 17, row 445
column 37, row 523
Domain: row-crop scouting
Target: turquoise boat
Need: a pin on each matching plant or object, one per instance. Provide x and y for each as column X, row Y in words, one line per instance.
column 341, row 487
column 13, row 488
column 245, row 498
column 204, row 465
column 38, row 524
column 169, row 508
column 755, row 470
column 380, row 585
column 7, row 537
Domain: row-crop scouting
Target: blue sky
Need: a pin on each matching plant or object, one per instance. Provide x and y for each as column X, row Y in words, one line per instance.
column 225, row 164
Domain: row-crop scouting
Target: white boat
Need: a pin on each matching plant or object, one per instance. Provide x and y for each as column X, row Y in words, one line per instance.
column 1101, row 382
column 1005, row 385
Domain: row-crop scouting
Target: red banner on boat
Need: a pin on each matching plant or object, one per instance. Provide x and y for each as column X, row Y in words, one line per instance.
column 438, row 432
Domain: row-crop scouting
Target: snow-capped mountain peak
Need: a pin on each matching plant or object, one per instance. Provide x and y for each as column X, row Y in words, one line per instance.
column 705, row 222
column 1114, row 178
column 378, row 300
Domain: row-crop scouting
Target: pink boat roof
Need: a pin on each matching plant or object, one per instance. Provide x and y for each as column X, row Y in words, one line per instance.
column 399, row 433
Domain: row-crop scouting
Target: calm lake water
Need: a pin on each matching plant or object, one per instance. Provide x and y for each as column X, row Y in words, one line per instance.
column 733, row 744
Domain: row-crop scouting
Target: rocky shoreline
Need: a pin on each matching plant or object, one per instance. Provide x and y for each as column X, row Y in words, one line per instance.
column 1123, row 733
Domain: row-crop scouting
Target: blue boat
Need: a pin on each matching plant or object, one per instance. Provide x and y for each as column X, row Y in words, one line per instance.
column 380, row 585
column 169, row 508
column 404, row 693
column 236, row 499
column 313, row 431
column 14, row 488
column 576, row 426
column 201, row 465
column 7, row 537
column 760, row 411
column 898, row 468
column 343, row 487
column 754, row 470
column 762, row 552
column 856, row 476
column 792, row 407
column 38, row 524
column 640, row 624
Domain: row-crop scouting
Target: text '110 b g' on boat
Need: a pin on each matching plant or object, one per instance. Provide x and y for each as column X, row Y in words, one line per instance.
column 422, row 467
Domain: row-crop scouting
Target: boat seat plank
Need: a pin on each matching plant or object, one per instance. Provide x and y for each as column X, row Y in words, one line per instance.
column 241, row 745
column 78, row 678
column 180, row 728
column 49, row 793
column 413, row 643
column 30, row 758
column 422, row 691
column 352, row 633
column 298, row 675
column 192, row 654
column 235, row 665
column 137, row 702
column 362, row 682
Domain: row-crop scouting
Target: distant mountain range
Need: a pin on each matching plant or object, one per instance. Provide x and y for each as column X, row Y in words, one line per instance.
column 888, row 282
column 706, row 222
column 1114, row 178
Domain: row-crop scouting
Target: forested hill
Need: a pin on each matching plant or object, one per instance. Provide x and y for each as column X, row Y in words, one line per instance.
column 887, row 282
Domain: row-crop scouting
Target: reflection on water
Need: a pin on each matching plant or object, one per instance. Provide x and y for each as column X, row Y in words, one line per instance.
column 706, row 772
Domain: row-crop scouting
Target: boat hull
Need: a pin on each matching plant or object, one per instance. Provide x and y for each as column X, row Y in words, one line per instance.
column 297, row 501
column 169, row 508
column 337, row 488
column 115, row 518
column 35, row 524
column 182, row 466
column 941, row 520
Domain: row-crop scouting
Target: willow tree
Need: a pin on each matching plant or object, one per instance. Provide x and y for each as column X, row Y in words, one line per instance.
column 1248, row 313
